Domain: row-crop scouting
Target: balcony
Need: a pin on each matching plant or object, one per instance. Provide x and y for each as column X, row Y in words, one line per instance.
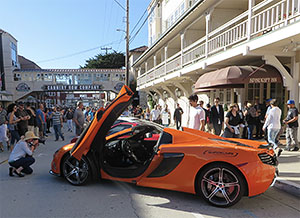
column 266, row 17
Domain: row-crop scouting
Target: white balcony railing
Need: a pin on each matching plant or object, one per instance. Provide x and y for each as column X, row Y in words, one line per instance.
column 265, row 18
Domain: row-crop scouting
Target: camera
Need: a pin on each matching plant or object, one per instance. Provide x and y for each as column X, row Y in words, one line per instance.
column 42, row 141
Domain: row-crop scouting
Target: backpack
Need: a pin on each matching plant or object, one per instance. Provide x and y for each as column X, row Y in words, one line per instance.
column 69, row 115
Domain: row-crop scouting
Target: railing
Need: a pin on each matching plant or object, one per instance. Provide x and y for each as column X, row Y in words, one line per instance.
column 160, row 70
column 275, row 16
column 229, row 37
column 195, row 54
column 173, row 63
column 265, row 18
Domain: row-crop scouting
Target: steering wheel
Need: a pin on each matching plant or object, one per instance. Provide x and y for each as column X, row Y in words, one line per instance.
column 127, row 151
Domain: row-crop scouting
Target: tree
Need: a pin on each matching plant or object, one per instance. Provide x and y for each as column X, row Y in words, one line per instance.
column 111, row 60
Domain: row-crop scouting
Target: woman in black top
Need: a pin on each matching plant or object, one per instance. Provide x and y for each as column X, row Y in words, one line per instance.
column 232, row 121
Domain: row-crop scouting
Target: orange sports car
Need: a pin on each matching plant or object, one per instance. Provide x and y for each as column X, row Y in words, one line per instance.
column 218, row 169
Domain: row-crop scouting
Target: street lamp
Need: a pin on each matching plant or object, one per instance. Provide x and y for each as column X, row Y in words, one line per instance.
column 165, row 94
column 178, row 92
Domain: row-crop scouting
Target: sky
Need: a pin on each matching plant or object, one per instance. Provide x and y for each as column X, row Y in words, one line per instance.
column 63, row 34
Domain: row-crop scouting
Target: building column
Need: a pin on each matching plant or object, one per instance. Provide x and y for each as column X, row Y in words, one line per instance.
column 154, row 61
column 166, row 57
column 288, row 81
column 73, row 78
column 207, row 29
column 139, row 71
column 182, row 47
column 249, row 26
column 295, row 68
column 146, row 66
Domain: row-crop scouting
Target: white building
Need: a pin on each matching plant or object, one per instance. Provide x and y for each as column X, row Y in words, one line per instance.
column 190, row 38
column 8, row 63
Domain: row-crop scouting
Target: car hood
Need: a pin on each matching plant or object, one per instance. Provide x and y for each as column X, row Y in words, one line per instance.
column 94, row 135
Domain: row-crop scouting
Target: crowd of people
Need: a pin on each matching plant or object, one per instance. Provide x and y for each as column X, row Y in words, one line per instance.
column 23, row 127
column 253, row 119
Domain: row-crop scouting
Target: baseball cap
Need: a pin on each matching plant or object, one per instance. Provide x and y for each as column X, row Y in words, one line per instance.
column 290, row 102
column 268, row 100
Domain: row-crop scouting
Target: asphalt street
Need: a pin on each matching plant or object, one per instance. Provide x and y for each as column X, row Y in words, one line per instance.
column 44, row 195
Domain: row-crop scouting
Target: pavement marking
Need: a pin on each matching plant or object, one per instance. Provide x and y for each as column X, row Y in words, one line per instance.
column 250, row 213
column 2, row 162
column 197, row 215
column 41, row 154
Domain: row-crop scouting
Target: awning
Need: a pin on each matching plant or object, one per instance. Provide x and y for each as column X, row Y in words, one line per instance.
column 237, row 76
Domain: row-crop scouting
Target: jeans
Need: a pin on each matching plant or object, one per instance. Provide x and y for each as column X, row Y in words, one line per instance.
column 57, row 130
column 250, row 130
column 24, row 162
column 178, row 123
column 70, row 125
column 291, row 136
column 217, row 128
column 14, row 136
column 229, row 134
column 272, row 134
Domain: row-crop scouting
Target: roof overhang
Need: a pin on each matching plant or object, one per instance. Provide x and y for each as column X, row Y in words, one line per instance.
column 237, row 77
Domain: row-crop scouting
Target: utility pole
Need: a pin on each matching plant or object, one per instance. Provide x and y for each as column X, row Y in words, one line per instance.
column 127, row 44
column 106, row 49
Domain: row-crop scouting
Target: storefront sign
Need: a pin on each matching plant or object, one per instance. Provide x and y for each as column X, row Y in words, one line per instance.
column 22, row 87
column 72, row 87
column 264, row 80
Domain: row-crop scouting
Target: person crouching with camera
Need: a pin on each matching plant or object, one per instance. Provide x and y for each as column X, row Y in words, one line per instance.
column 21, row 158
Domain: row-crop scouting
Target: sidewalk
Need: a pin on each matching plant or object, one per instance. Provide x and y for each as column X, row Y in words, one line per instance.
column 289, row 170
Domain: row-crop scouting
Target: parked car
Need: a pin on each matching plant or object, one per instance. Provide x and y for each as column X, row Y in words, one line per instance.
column 218, row 169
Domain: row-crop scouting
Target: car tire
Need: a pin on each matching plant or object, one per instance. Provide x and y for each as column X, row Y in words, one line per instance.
column 76, row 172
column 220, row 184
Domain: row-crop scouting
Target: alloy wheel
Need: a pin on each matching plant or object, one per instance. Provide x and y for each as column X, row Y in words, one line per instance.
column 76, row 172
column 221, row 186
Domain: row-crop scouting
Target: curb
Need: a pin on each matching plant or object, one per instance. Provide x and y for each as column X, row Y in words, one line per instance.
column 287, row 186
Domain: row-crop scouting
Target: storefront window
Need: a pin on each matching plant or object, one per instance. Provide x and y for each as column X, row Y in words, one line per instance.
column 228, row 96
column 253, row 91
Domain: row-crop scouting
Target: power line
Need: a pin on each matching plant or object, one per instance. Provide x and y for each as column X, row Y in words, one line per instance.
column 138, row 21
column 120, row 5
column 73, row 54
column 132, row 38
column 77, row 53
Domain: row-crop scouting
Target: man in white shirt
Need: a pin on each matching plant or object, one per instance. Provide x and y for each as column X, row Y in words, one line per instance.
column 273, row 125
column 155, row 114
column 197, row 114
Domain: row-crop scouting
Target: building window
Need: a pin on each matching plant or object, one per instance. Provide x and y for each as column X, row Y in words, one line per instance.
column 13, row 54
column 253, row 91
column 17, row 77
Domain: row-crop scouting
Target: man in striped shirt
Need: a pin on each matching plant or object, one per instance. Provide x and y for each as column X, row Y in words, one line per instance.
column 57, row 123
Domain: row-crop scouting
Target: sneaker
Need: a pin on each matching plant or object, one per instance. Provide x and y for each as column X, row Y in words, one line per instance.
column 11, row 169
column 18, row 174
column 295, row 149
column 287, row 149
